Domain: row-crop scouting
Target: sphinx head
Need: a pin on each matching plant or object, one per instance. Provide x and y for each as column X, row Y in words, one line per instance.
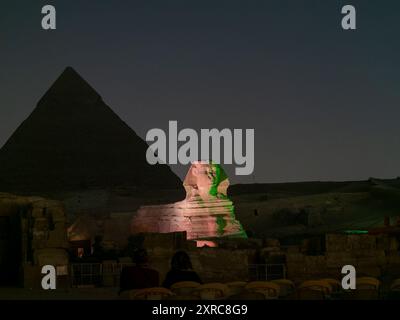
column 206, row 180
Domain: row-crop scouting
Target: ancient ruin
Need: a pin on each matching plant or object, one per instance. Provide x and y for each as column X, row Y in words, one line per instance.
column 206, row 212
column 33, row 234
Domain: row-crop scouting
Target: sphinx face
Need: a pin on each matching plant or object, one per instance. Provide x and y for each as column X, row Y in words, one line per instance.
column 205, row 180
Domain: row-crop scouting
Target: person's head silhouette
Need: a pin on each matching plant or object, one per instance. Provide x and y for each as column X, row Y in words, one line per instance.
column 181, row 261
column 140, row 257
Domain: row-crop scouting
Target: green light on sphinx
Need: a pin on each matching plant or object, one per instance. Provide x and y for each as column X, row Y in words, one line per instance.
column 217, row 177
column 221, row 223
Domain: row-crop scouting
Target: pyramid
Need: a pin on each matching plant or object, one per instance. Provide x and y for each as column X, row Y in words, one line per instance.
column 72, row 141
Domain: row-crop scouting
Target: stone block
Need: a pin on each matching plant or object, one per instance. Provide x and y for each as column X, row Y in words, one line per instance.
column 41, row 225
column 37, row 212
column 336, row 242
column 393, row 244
column 295, row 257
column 314, row 264
column 58, row 214
column 393, row 258
column 293, row 249
column 334, row 259
column 272, row 243
column 51, row 256
column 369, row 271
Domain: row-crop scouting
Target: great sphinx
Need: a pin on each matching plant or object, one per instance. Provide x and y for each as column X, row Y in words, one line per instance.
column 205, row 213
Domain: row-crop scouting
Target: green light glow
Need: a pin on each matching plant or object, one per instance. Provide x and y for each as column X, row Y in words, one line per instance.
column 217, row 177
column 356, row 231
column 221, row 223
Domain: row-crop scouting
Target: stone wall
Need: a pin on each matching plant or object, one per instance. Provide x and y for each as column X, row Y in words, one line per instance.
column 372, row 255
column 42, row 231
column 220, row 265
column 114, row 229
column 212, row 264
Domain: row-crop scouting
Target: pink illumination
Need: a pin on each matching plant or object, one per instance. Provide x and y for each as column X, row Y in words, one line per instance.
column 206, row 243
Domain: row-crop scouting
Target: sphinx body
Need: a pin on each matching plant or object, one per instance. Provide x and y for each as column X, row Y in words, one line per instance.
column 206, row 212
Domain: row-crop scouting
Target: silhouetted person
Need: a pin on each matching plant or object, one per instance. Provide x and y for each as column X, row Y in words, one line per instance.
column 98, row 250
column 139, row 276
column 181, row 270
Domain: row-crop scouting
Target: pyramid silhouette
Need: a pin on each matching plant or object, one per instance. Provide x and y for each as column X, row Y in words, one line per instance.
column 73, row 140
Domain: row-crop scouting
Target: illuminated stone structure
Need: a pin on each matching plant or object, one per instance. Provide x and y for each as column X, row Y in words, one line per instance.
column 206, row 212
column 33, row 234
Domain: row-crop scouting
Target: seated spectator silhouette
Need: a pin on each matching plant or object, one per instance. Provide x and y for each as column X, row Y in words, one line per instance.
column 181, row 270
column 138, row 276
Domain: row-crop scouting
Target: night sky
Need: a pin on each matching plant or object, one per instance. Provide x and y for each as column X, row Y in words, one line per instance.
column 324, row 102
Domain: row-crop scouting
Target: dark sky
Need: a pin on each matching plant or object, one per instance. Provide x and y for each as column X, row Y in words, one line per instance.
column 324, row 102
